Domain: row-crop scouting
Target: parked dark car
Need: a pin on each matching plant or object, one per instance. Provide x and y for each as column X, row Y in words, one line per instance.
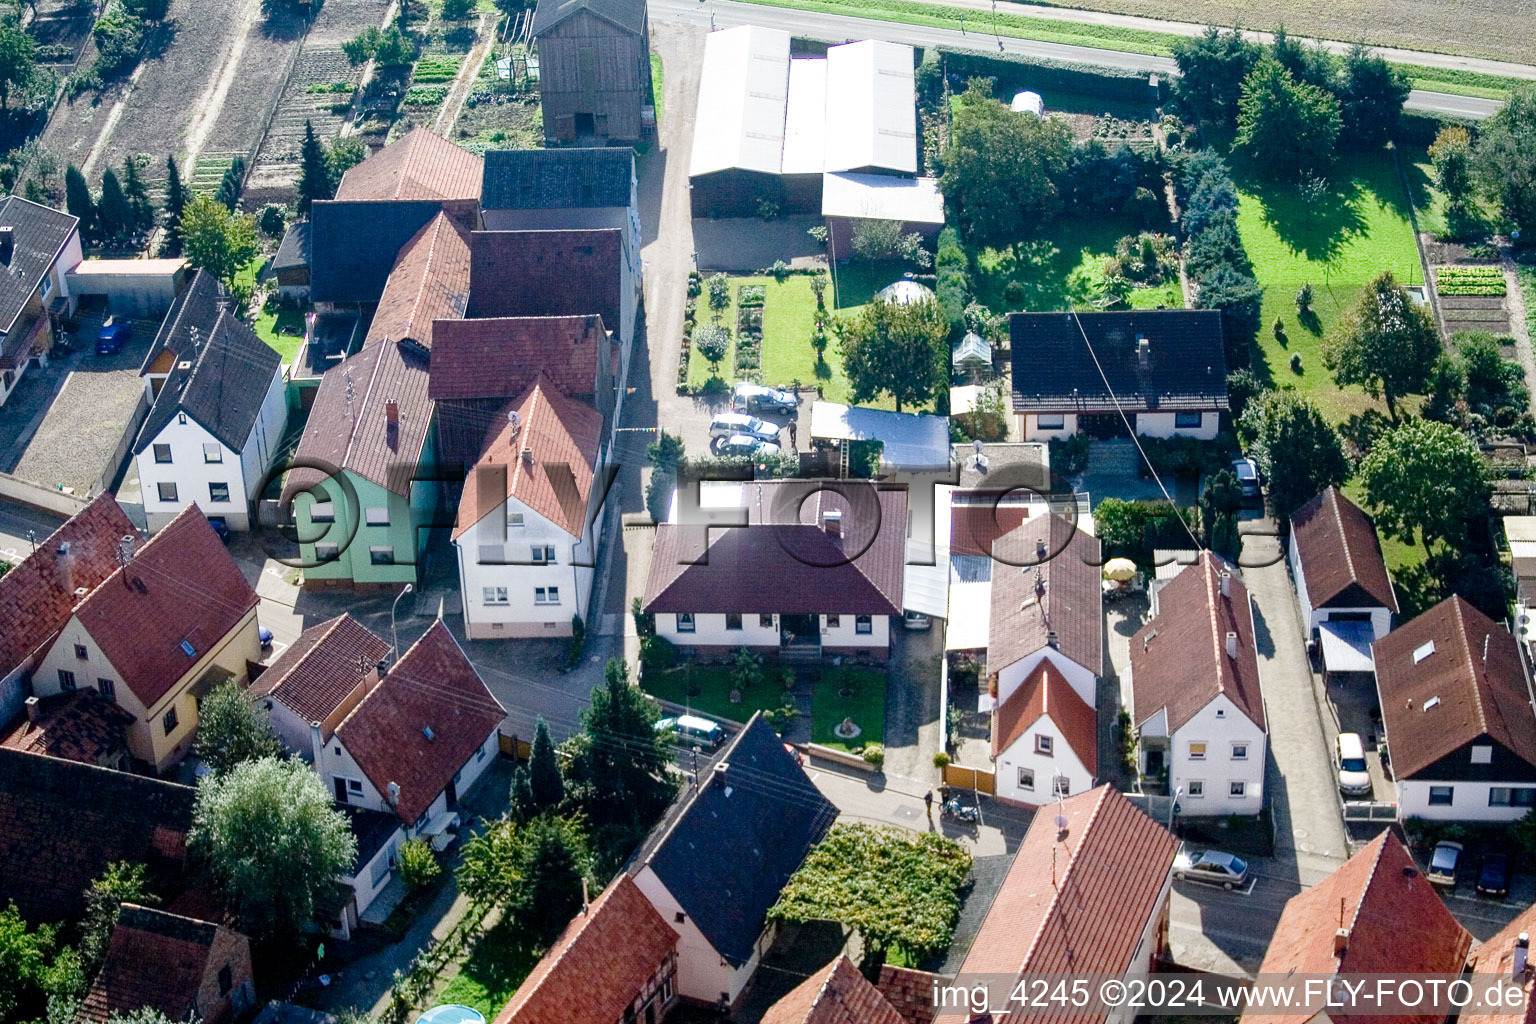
column 220, row 527
column 756, row 398
column 112, row 337
column 1493, row 876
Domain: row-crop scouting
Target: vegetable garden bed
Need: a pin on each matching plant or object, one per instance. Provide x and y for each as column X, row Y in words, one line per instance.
column 1479, row 280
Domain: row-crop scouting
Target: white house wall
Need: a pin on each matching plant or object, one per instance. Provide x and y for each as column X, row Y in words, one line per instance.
column 1029, row 426
column 702, row 973
column 709, row 631
column 1469, row 801
column 1063, row 761
column 1082, row 681
column 481, row 547
column 1218, row 725
column 1162, row 424
column 266, row 434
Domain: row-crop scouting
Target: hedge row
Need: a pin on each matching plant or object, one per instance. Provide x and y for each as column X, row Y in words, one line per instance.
column 1016, row 72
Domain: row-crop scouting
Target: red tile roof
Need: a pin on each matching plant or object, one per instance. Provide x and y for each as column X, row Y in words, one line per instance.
column 836, row 994
column 38, row 595
column 181, row 588
column 1469, row 686
column 559, row 432
column 547, row 273
column 1179, row 659
column 81, row 726
column 1341, row 554
column 976, row 529
column 420, row 165
column 910, row 992
column 784, row 561
column 432, row 688
column 159, row 960
column 598, row 965
column 1046, row 692
column 1046, row 579
column 1396, row 922
column 1078, row 900
column 355, row 433
column 499, row 357
column 322, row 667
column 1494, row 958
column 429, row 282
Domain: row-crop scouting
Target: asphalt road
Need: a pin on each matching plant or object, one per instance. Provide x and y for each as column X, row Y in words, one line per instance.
column 728, row 13
column 16, row 522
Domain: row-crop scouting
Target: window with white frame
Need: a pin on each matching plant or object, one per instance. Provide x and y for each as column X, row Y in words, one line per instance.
column 1482, row 753
column 514, row 519
column 1050, row 421
column 834, row 621
column 863, row 624
column 322, row 512
column 546, row 595
column 1237, row 789
column 327, row 551
column 1197, row 751
column 494, row 595
column 1186, row 420
column 1239, row 751
column 685, row 622
column 1194, row 787
column 1442, row 796
column 1045, row 745
column 218, row 493
column 378, row 515
column 1061, row 786
column 213, row 452
column 66, row 680
column 543, row 554
column 1511, row 796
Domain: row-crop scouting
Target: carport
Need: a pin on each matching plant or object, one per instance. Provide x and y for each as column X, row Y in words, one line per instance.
column 910, row 442
column 1346, row 648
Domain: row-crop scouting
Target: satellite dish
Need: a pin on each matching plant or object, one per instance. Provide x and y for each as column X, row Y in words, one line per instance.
column 512, row 418
column 1061, row 821
column 977, row 445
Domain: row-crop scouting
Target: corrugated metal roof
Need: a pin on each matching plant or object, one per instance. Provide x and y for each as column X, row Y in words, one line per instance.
column 882, row 197
column 743, row 92
column 805, row 117
column 874, row 122
column 911, row 441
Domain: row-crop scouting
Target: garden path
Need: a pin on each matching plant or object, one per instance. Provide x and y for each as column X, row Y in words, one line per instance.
column 1519, row 326
column 469, row 73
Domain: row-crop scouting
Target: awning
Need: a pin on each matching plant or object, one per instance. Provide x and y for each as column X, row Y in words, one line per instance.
column 970, row 616
column 440, row 823
column 1347, row 646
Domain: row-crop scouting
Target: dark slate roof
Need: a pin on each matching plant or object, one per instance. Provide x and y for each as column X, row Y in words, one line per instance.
column 354, row 244
column 546, row 273
column 62, row 823
column 221, row 381
column 195, row 307
column 296, row 250
column 626, row 14
column 550, row 179
column 1054, row 370
column 39, row 234
column 727, row 847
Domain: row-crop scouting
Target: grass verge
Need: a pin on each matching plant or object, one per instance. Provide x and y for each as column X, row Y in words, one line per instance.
column 657, row 83
column 865, row 704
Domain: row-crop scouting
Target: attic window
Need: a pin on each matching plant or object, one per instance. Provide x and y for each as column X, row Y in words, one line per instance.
column 1433, row 702
column 426, row 731
column 1482, row 753
column 1423, row 651
column 188, row 649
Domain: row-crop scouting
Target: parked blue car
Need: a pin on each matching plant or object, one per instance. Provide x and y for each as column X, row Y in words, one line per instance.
column 111, row 339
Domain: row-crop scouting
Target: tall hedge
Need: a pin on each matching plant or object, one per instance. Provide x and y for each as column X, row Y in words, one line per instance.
column 1016, row 72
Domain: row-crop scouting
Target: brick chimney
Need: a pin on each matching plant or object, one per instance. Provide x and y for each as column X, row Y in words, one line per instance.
column 832, row 523
column 33, row 712
column 7, row 243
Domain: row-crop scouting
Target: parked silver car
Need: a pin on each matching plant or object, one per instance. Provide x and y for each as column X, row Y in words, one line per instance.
column 729, row 424
column 760, row 398
column 1211, row 867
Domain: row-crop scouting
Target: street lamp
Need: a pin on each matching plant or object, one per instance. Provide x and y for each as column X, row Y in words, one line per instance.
column 394, row 641
column 1173, row 806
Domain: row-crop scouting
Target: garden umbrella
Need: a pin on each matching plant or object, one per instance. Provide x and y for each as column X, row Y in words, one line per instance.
column 1119, row 569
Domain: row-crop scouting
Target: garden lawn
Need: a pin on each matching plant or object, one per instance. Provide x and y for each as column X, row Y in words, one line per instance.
column 789, row 311
column 488, row 979
column 866, row 706
column 1060, row 269
column 277, row 328
column 657, row 91
column 1398, row 555
column 1337, row 246
column 714, row 686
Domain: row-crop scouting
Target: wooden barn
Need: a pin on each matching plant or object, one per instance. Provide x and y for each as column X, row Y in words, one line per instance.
column 594, row 71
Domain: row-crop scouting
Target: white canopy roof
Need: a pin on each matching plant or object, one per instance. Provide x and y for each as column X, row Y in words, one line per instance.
column 743, row 90
column 871, row 121
column 970, row 616
column 881, row 197
column 911, row 441
column 926, row 587
column 805, row 117
column 1347, row 646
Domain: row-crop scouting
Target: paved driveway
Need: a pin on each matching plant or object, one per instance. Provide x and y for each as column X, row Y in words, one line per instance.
column 1310, row 838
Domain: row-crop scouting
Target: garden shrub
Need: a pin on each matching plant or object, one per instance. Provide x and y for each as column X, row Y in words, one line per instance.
column 1070, row 457
column 952, row 285
column 418, row 864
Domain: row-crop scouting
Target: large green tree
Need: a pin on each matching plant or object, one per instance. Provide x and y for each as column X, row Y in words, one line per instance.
column 1001, row 167
column 1427, row 481
column 18, row 59
column 216, row 239
column 24, row 959
column 1504, row 159
column 113, row 212
column 1451, row 155
column 273, row 842
column 893, row 348
column 175, row 204
column 544, row 770
column 665, row 454
column 122, row 882
column 233, row 729
column 1371, row 95
column 78, row 201
column 1385, row 342
column 141, row 206
column 554, row 863
column 618, row 772
column 1297, row 450
column 898, row 889
column 1285, row 128
column 1220, row 504
column 1212, row 68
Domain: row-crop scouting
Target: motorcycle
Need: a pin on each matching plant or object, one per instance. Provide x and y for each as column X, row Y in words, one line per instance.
column 962, row 812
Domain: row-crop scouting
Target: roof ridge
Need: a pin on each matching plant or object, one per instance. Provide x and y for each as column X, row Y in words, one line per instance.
column 436, row 227
column 362, row 403
column 1370, row 879
column 1208, row 566
column 1477, row 678
column 1058, row 887
column 1332, row 495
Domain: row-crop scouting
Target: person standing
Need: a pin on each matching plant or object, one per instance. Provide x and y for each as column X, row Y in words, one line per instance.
column 928, row 805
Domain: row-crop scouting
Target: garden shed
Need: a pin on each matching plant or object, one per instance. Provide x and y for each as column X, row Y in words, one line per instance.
column 911, row 441
column 141, row 288
column 973, row 355
column 846, row 198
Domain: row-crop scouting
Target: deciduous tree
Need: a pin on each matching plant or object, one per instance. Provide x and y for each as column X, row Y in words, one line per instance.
column 1385, row 343
column 1451, row 154
column 217, row 240
column 1285, row 128
column 1504, row 158
column 24, row 959
column 1001, row 167
column 273, row 842
column 1426, row 479
column 233, row 729
column 122, row 882
column 891, row 348
column 18, row 59
column 1297, row 450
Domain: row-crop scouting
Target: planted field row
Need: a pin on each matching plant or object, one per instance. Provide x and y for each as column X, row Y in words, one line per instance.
column 1469, row 280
